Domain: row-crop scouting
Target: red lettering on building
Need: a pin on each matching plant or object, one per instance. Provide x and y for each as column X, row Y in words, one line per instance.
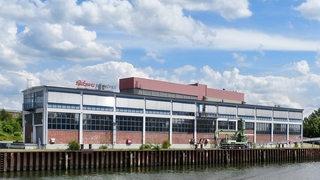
column 85, row 84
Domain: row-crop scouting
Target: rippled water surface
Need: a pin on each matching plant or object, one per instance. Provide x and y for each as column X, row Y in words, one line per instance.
column 299, row 171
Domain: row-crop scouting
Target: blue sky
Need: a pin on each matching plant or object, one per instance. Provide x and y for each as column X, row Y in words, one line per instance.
column 268, row 49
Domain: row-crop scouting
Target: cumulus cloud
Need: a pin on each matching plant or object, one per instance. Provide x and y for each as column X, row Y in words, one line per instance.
column 81, row 31
column 108, row 72
column 68, row 41
column 310, row 9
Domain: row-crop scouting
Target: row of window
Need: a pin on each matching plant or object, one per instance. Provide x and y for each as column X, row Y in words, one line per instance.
column 97, row 108
column 57, row 120
column 163, row 112
column 227, row 125
column 153, row 111
column 97, row 122
column 63, row 106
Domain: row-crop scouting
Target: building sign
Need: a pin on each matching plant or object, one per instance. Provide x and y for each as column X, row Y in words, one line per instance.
column 100, row 87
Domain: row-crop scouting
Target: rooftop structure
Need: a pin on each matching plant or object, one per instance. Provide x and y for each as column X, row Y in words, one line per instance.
column 141, row 86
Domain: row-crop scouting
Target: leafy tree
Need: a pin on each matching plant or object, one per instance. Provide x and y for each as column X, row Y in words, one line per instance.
column 10, row 126
column 5, row 116
column 311, row 124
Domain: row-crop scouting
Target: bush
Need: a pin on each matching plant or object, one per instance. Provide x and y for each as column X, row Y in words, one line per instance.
column 145, row 147
column 103, row 147
column 156, row 147
column 166, row 145
column 73, row 145
column 17, row 134
column 296, row 145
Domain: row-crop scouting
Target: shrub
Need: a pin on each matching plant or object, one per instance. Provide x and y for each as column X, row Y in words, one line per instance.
column 145, row 147
column 103, row 147
column 156, row 147
column 166, row 144
column 296, row 145
column 17, row 134
column 73, row 145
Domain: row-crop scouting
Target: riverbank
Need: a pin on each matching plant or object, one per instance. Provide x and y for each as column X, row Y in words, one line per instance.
column 99, row 159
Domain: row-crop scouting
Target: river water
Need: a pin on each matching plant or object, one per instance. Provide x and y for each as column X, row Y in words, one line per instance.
column 291, row 171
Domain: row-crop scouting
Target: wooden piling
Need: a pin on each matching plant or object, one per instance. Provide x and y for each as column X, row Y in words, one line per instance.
column 52, row 160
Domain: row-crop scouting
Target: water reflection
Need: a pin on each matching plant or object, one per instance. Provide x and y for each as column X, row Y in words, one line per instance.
column 306, row 170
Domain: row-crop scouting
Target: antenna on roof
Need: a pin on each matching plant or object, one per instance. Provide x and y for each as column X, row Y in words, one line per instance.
column 29, row 83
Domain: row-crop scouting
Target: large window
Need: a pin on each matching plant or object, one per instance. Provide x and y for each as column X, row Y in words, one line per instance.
column 279, row 129
column 183, row 125
column 157, row 124
column 227, row 125
column 38, row 96
column 249, row 125
column 59, row 120
column 28, row 101
column 206, row 126
column 38, row 118
column 263, row 128
column 129, row 123
column 294, row 129
column 97, row 122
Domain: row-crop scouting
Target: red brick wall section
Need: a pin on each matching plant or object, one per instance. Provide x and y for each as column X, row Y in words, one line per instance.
column 182, row 138
column 122, row 137
column 156, row 137
column 279, row 138
column 250, row 135
column 95, row 137
column 294, row 137
column 263, row 138
column 63, row 136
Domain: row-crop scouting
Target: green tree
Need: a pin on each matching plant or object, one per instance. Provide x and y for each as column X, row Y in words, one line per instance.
column 311, row 125
column 10, row 126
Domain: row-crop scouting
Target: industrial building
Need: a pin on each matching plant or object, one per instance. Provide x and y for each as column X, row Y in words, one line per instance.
column 148, row 111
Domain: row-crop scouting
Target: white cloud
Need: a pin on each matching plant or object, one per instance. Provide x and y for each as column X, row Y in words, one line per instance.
column 232, row 39
column 186, row 69
column 231, row 9
column 108, row 72
column 310, row 9
column 51, row 30
column 302, row 67
column 153, row 56
column 241, row 59
column 68, row 41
